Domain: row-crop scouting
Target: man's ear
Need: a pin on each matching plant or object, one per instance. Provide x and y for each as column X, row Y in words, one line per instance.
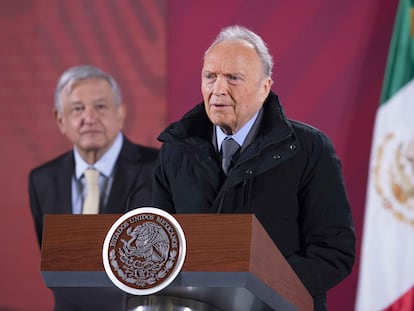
column 59, row 121
column 122, row 110
column 266, row 85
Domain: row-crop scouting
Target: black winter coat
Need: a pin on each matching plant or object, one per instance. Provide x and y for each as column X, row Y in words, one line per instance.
column 289, row 177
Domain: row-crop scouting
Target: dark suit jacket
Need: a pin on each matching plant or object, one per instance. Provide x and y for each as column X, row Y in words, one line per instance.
column 50, row 193
column 50, row 184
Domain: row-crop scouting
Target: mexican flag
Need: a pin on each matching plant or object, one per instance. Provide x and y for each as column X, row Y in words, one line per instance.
column 386, row 276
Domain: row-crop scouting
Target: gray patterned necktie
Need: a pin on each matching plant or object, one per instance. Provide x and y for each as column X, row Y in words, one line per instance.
column 229, row 147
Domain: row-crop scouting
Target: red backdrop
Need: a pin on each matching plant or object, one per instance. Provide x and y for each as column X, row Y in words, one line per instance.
column 329, row 62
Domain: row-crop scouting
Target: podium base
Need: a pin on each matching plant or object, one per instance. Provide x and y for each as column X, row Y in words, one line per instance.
column 158, row 303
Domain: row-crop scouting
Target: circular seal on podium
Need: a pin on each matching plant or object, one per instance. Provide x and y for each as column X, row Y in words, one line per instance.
column 144, row 250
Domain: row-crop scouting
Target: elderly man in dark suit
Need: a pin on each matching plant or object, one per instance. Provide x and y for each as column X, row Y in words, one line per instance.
column 237, row 152
column 89, row 111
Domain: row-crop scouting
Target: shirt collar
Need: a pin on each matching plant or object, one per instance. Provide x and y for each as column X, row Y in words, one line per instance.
column 105, row 164
column 241, row 134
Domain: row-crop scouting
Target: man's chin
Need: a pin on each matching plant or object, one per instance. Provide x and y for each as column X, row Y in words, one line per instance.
column 92, row 145
column 224, row 127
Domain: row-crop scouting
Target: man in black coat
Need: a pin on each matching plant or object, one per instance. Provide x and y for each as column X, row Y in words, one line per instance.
column 283, row 171
column 90, row 113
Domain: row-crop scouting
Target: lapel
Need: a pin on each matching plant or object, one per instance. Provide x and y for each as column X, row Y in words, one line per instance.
column 253, row 131
column 63, row 184
column 126, row 174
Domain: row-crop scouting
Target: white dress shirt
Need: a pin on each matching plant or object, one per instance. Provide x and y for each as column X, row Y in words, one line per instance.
column 105, row 165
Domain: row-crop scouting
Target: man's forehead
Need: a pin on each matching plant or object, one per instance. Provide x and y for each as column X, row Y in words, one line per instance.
column 232, row 44
column 72, row 85
column 231, row 56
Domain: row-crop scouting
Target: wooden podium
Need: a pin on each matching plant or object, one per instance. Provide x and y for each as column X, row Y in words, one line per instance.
column 231, row 262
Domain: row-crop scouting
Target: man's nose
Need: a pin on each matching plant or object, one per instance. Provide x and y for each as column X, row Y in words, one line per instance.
column 90, row 113
column 220, row 86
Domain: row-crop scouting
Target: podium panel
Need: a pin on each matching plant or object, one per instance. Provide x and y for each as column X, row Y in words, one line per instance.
column 231, row 263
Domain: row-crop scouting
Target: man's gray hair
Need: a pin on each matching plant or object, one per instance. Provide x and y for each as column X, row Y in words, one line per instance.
column 82, row 72
column 237, row 32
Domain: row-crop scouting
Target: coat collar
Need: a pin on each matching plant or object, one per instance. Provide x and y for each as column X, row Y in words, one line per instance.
column 196, row 123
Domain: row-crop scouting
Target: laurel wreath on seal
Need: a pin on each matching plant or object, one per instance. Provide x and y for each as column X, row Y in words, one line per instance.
column 401, row 187
column 148, row 263
column 130, row 274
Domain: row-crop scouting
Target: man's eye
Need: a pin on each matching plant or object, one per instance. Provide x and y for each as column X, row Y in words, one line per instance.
column 77, row 108
column 233, row 78
column 100, row 106
column 209, row 76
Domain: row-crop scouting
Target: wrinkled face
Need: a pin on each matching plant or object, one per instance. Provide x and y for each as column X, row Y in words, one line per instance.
column 90, row 118
column 233, row 84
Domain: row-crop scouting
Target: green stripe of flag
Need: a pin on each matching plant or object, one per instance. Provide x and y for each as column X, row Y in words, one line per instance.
column 400, row 63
